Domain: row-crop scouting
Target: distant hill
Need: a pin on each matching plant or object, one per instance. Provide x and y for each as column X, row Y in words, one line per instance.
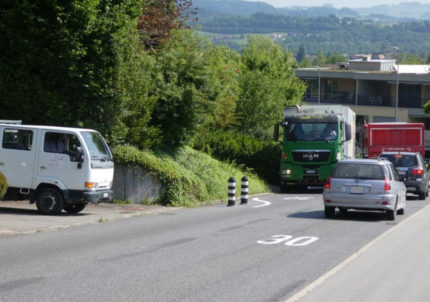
column 384, row 13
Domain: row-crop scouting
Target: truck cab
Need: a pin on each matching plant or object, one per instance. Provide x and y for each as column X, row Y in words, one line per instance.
column 314, row 139
column 55, row 167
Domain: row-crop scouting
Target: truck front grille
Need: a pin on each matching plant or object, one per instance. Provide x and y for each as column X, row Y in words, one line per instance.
column 311, row 155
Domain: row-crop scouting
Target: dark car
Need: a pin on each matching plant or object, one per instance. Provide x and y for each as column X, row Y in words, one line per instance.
column 411, row 167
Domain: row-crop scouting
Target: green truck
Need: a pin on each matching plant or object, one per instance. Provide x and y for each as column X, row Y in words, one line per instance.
column 314, row 139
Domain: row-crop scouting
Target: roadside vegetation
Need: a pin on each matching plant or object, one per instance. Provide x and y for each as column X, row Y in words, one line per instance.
column 189, row 177
column 3, row 185
column 135, row 71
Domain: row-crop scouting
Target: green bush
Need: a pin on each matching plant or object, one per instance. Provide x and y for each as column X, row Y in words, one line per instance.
column 3, row 185
column 263, row 157
column 189, row 177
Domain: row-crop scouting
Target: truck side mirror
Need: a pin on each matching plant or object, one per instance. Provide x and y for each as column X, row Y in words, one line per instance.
column 276, row 132
column 348, row 132
column 79, row 156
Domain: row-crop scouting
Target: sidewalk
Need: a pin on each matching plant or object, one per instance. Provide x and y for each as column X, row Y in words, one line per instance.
column 21, row 217
column 394, row 267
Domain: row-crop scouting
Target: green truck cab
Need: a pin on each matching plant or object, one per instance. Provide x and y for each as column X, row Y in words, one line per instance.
column 314, row 139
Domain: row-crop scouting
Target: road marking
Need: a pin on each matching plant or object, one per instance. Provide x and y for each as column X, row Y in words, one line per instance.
column 265, row 203
column 299, row 198
column 289, row 240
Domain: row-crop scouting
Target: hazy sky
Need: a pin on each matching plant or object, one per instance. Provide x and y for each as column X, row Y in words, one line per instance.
column 335, row 3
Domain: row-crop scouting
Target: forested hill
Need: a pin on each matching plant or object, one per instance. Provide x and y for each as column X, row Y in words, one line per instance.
column 405, row 11
column 329, row 34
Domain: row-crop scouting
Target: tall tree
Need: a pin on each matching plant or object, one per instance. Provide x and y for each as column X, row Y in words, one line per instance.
column 160, row 17
column 267, row 83
column 182, row 80
column 59, row 60
column 301, row 54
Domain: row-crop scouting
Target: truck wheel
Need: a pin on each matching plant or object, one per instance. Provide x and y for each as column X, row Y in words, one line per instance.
column 49, row 201
column 422, row 195
column 74, row 208
column 284, row 188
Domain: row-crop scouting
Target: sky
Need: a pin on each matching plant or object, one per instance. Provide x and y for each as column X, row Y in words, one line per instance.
column 336, row 3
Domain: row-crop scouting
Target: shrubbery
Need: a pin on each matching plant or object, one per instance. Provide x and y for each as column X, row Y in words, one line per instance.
column 189, row 177
column 261, row 156
column 3, row 185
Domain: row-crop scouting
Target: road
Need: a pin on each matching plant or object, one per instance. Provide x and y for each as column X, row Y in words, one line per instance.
column 267, row 250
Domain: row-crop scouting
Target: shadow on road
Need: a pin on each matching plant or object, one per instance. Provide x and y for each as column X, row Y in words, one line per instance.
column 354, row 215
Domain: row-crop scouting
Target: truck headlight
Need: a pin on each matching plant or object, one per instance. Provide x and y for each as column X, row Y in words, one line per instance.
column 286, row 172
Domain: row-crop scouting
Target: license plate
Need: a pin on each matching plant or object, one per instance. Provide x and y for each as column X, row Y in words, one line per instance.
column 105, row 195
column 401, row 172
column 310, row 171
column 357, row 190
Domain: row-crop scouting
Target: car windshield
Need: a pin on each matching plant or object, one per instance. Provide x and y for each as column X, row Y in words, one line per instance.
column 317, row 131
column 358, row 171
column 400, row 160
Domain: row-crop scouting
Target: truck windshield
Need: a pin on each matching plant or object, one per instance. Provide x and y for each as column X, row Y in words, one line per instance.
column 311, row 131
column 100, row 154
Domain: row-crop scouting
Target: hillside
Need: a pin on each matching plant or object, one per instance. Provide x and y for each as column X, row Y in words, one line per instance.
column 406, row 11
column 325, row 28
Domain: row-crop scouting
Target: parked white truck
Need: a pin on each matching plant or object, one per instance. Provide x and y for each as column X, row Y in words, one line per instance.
column 55, row 167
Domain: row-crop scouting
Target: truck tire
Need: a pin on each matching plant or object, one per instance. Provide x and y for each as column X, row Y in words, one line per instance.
column 284, row 188
column 49, row 201
column 422, row 195
column 74, row 208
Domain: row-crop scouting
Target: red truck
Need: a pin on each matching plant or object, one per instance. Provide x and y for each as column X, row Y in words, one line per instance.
column 394, row 136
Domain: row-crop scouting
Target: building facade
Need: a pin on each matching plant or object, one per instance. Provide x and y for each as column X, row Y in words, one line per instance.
column 376, row 90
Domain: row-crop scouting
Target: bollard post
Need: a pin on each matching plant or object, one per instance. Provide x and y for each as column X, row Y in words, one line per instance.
column 244, row 191
column 231, row 191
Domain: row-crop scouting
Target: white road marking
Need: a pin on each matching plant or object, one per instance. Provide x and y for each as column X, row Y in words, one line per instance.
column 299, row 198
column 289, row 240
column 265, row 203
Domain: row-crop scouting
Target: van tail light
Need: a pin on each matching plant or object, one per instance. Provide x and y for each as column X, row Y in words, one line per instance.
column 327, row 184
column 387, row 186
column 417, row 171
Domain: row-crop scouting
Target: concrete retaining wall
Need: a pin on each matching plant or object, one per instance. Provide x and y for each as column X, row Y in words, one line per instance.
column 134, row 184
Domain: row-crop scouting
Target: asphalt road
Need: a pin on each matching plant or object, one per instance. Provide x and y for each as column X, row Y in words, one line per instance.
column 267, row 250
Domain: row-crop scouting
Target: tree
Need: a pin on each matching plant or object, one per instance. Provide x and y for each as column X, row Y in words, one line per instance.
column 59, row 61
column 160, row 17
column 301, row 54
column 181, row 78
column 320, row 59
column 267, row 84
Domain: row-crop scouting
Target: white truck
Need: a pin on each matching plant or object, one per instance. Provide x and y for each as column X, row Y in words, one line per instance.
column 55, row 167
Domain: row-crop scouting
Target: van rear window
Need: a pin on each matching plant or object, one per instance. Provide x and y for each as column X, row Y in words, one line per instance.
column 17, row 139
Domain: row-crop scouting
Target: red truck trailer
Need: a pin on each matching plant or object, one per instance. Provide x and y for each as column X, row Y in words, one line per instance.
column 393, row 136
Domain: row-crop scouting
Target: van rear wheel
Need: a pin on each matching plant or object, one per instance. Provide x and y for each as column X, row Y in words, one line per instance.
column 49, row 201
column 74, row 208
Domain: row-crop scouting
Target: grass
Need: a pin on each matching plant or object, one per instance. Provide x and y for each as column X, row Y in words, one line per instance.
column 190, row 178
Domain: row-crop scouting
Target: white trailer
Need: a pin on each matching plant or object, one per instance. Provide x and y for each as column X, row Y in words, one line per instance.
column 346, row 113
column 55, row 167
